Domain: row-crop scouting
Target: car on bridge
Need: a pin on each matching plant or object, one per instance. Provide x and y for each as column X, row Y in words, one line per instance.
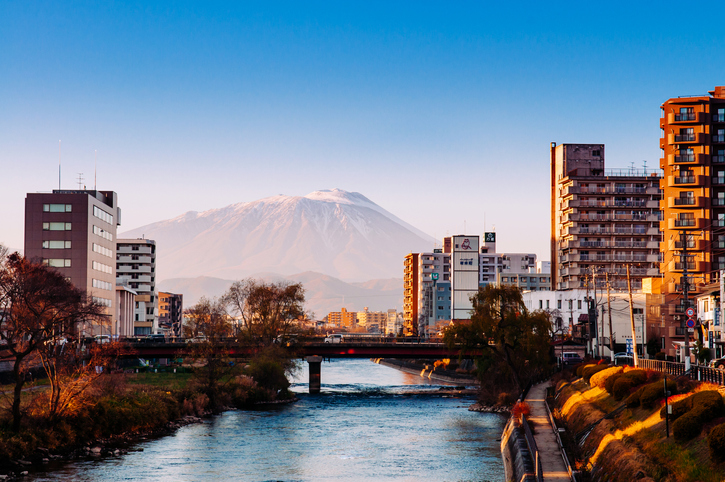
column 334, row 338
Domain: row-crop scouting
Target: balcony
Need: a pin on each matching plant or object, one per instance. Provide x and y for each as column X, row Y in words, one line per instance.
column 692, row 266
column 695, row 138
column 686, row 202
column 689, row 117
column 683, row 180
column 673, row 223
column 594, row 244
column 718, row 180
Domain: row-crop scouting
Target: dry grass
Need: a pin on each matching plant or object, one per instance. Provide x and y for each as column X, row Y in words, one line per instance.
column 633, row 446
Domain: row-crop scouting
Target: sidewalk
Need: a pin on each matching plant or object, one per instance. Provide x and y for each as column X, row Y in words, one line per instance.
column 552, row 462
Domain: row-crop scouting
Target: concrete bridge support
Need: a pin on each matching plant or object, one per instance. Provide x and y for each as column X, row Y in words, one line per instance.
column 315, row 366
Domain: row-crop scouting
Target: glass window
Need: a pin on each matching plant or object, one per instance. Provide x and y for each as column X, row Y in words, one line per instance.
column 56, row 227
column 558, row 304
column 57, row 263
column 56, row 244
column 57, row 208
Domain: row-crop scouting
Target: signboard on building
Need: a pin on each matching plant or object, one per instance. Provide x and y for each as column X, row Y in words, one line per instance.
column 464, row 275
column 489, row 238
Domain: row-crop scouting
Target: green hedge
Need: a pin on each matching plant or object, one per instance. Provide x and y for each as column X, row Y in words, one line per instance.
column 703, row 407
column 656, row 391
column 626, row 382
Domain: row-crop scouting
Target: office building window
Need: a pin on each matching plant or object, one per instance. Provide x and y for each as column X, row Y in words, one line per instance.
column 56, row 208
column 57, row 263
column 102, row 215
column 102, row 233
column 97, row 248
column 558, row 304
column 56, row 244
column 56, row 227
column 103, row 268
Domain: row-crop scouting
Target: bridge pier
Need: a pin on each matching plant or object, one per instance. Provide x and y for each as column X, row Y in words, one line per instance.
column 315, row 367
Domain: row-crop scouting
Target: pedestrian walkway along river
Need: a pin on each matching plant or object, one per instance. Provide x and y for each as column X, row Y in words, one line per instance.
column 370, row 423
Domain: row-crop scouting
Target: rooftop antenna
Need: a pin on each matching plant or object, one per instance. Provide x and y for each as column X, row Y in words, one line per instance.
column 80, row 180
column 464, row 227
column 59, row 164
column 645, row 166
column 95, row 170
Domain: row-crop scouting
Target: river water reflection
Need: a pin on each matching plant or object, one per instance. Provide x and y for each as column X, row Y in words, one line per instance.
column 370, row 423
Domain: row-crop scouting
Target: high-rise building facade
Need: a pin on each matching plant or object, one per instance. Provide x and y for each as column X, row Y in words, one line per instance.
column 693, row 206
column 136, row 268
column 74, row 231
column 602, row 220
column 171, row 307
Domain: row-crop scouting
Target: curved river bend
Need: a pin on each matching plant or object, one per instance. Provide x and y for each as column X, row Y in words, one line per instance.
column 370, row 423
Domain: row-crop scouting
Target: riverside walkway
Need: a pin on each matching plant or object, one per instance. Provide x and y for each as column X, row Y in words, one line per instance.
column 552, row 462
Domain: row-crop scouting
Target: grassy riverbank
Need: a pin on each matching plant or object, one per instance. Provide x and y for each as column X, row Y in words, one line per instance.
column 618, row 430
column 121, row 405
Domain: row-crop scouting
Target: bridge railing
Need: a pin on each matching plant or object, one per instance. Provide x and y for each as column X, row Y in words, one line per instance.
column 697, row 372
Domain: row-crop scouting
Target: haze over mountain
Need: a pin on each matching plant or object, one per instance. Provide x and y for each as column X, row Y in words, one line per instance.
column 323, row 293
column 333, row 232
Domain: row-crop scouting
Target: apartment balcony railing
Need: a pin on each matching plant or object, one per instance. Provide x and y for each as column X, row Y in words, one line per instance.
column 687, row 158
column 684, row 180
column 685, row 201
column 684, row 137
column 690, row 116
column 594, row 244
column 684, row 223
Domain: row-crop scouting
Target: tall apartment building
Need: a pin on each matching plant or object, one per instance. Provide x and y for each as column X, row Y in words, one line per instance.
column 171, row 308
column 373, row 321
column 136, row 268
column 602, row 220
column 74, row 231
column 693, row 206
column 342, row 318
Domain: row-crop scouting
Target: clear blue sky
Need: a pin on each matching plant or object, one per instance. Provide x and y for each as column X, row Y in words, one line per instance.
column 440, row 112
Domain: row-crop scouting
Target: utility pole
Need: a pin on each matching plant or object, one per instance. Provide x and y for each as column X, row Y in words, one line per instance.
column 609, row 312
column 595, row 348
column 631, row 318
column 685, row 300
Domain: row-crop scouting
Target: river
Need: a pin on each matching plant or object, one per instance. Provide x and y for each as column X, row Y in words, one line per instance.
column 370, row 423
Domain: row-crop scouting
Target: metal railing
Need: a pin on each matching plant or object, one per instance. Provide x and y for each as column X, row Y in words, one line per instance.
column 697, row 372
column 533, row 449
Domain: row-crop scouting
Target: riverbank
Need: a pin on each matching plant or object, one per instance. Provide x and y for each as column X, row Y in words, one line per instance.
column 428, row 371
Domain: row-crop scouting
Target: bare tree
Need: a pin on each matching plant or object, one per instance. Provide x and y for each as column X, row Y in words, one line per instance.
column 266, row 310
column 37, row 305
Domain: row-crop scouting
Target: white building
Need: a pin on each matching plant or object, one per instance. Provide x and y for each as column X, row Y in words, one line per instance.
column 136, row 268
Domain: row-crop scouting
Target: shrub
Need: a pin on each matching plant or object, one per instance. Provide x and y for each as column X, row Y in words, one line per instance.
column 622, row 387
column 633, row 399
column 600, row 378
column 521, row 408
column 580, row 368
column 709, row 404
column 716, row 443
column 655, row 391
column 611, row 380
column 679, row 408
column 505, row 399
column 687, row 427
column 588, row 371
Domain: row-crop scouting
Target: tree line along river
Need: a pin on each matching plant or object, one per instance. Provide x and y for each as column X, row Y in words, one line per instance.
column 370, row 423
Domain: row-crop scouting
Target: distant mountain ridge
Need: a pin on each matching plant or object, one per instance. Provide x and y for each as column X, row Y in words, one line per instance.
column 337, row 233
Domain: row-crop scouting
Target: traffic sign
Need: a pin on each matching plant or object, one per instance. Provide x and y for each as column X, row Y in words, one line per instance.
column 690, row 312
column 690, row 323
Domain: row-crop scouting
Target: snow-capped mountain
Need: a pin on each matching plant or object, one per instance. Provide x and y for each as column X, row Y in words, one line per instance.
column 334, row 232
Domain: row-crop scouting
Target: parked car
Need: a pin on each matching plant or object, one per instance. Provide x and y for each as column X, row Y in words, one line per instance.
column 334, row 338
column 102, row 339
column 570, row 358
column 156, row 338
column 718, row 363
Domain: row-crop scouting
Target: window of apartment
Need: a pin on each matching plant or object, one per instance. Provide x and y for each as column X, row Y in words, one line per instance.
column 56, row 226
column 102, row 233
column 505, row 279
column 57, row 263
column 102, row 215
column 103, row 268
column 522, row 279
column 578, row 304
column 541, row 304
column 558, row 304
column 103, row 301
column 56, row 244
column 542, row 280
column 440, row 308
column 97, row 248
column 102, row 285
column 620, row 187
column 56, row 208
column 571, row 304
column 547, row 304
column 596, row 153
